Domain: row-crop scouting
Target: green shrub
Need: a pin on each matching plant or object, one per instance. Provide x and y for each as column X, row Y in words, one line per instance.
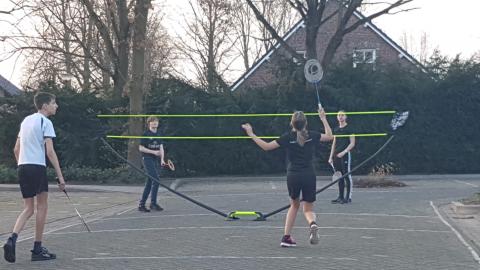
column 7, row 175
column 88, row 175
column 440, row 136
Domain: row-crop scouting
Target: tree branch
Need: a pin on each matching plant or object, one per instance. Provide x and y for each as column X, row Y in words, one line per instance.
column 102, row 28
column 274, row 33
column 300, row 7
column 377, row 14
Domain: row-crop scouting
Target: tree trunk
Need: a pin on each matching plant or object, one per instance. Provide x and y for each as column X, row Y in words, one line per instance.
column 123, row 46
column 87, row 73
column 66, row 46
column 138, row 79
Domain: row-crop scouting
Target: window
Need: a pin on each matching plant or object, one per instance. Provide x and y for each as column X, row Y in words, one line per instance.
column 295, row 60
column 364, row 56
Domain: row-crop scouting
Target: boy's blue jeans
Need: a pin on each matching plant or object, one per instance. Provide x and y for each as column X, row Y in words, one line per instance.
column 152, row 168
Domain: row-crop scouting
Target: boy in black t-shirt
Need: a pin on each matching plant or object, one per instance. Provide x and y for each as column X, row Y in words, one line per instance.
column 299, row 144
column 153, row 157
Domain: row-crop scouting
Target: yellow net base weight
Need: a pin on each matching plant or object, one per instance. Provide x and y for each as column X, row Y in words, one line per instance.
column 238, row 214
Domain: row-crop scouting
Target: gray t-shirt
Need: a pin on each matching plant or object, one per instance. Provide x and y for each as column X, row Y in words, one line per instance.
column 33, row 131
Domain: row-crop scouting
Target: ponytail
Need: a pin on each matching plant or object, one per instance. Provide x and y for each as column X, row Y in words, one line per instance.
column 299, row 124
column 302, row 136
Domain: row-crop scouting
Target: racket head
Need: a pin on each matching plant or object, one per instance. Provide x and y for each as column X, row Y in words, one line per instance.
column 399, row 120
column 170, row 165
column 336, row 175
column 313, row 71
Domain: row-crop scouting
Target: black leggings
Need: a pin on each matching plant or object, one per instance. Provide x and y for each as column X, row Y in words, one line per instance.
column 343, row 165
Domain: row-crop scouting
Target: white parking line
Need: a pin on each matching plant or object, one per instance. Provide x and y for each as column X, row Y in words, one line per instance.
column 460, row 237
column 206, row 257
column 123, row 212
column 273, row 185
column 374, row 215
column 466, row 183
column 381, row 256
column 153, row 216
column 281, row 192
column 318, row 214
column 247, row 227
column 57, row 229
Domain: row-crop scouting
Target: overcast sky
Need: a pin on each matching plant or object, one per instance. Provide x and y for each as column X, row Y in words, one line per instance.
column 452, row 26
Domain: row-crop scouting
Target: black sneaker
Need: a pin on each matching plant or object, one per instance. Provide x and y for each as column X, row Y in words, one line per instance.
column 287, row 241
column 44, row 255
column 337, row 200
column 346, row 201
column 155, row 207
column 142, row 208
column 9, row 250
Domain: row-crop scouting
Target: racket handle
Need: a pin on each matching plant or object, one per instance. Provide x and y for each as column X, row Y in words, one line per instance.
column 333, row 168
column 319, row 105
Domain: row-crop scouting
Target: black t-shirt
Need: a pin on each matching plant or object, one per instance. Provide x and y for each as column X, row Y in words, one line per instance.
column 341, row 143
column 151, row 143
column 299, row 158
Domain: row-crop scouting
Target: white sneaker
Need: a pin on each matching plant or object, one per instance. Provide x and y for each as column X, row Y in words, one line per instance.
column 314, row 234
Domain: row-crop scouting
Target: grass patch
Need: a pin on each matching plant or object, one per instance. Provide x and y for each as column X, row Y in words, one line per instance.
column 474, row 199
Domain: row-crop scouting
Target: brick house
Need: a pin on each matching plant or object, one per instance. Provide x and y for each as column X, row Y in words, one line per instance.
column 7, row 88
column 366, row 45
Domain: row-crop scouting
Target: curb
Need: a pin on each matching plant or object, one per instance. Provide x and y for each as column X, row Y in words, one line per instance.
column 465, row 209
column 447, row 210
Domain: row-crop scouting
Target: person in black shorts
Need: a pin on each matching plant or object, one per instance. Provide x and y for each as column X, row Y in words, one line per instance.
column 34, row 141
column 153, row 157
column 300, row 146
column 341, row 158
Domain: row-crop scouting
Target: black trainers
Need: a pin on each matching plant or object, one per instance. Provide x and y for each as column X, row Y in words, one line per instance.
column 44, row 255
column 287, row 241
column 142, row 208
column 314, row 234
column 345, row 201
column 9, row 250
column 337, row 200
column 155, row 207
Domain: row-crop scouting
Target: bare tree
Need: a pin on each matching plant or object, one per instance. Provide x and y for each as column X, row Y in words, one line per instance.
column 16, row 5
column 420, row 48
column 115, row 38
column 314, row 13
column 67, row 32
column 280, row 16
column 160, row 51
column 244, row 27
column 207, row 43
column 138, row 79
column 253, row 39
column 96, row 41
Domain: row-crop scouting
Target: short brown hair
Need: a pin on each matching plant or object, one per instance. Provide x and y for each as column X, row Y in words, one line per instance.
column 151, row 119
column 41, row 98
